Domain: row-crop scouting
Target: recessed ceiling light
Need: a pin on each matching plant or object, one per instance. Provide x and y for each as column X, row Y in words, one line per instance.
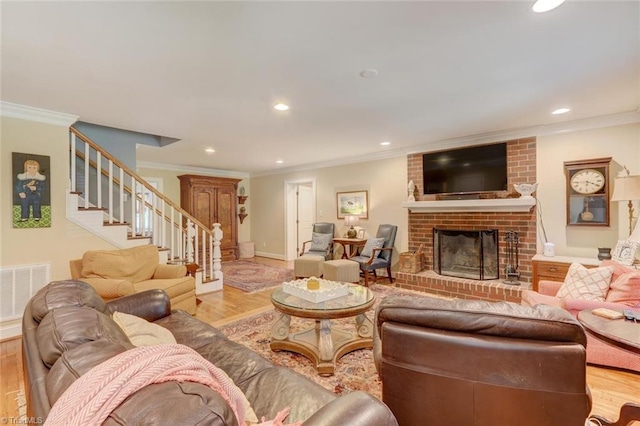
column 560, row 111
column 281, row 107
column 369, row 73
column 210, row 150
column 546, row 5
column 385, row 143
column 279, row 161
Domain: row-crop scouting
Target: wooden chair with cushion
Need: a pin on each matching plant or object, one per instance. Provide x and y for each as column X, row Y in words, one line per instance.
column 377, row 253
column 321, row 243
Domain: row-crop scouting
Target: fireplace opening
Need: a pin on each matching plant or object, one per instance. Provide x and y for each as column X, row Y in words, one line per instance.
column 466, row 254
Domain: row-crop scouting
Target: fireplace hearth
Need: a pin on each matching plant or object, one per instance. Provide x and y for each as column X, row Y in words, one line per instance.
column 469, row 254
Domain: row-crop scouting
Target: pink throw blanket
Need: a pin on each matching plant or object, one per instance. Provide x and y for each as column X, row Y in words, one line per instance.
column 91, row 398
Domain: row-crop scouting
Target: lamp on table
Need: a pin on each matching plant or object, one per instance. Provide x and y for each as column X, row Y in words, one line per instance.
column 351, row 221
column 627, row 188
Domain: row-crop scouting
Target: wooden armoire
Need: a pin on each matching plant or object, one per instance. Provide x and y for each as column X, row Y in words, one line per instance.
column 213, row 200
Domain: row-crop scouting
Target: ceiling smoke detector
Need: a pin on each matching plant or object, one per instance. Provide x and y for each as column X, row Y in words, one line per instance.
column 369, row 73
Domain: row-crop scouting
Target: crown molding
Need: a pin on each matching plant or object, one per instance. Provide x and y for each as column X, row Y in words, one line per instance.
column 549, row 129
column 191, row 169
column 39, row 115
column 611, row 120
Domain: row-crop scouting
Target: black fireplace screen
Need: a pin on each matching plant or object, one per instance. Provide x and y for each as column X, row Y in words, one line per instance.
column 466, row 254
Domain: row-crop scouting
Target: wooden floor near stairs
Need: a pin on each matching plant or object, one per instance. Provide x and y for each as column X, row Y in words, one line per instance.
column 609, row 388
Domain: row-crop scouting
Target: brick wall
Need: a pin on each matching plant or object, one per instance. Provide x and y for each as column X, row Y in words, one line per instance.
column 521, row 165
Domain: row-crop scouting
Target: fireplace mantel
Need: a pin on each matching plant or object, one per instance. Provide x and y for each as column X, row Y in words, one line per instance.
column 485, row 205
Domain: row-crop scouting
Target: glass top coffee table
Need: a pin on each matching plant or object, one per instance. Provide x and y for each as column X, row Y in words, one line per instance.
column 321, row 343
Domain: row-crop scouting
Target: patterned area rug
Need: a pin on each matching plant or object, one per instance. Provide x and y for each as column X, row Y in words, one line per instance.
column 354, row 371
column 251, row 276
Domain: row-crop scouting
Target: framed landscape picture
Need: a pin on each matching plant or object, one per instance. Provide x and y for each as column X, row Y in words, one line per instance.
column 31, row 196
column 353, row 203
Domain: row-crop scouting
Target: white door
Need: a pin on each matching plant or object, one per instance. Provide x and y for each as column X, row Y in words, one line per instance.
column 305, row 214
column 300, row 208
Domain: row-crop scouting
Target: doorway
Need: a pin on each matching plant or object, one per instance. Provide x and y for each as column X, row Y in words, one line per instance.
column 300, row 215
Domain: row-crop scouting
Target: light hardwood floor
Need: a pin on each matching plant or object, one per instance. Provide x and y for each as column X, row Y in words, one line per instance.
column 609, row 388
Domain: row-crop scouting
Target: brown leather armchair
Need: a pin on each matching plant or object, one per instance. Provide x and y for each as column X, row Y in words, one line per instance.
column 476, row 363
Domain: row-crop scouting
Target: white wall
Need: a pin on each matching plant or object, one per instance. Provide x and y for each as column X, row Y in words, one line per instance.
column 386, row 181
column 622, row 143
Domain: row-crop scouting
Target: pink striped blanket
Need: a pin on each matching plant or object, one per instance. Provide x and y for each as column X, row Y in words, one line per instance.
column 91, row 398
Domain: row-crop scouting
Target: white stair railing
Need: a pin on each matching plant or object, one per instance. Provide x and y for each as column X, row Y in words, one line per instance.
column 130, row 201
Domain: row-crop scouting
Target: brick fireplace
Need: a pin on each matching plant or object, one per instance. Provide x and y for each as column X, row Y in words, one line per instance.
column 521, row 165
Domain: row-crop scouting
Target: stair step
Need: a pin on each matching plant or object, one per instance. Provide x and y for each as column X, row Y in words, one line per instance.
column 137, row 237
column 115, row 224
column 92, row 209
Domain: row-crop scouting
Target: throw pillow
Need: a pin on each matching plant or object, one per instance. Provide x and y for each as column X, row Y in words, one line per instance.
column 618, row 269
column 625, row 251
column 372, row 243
column 142, row 332
column 625, row 290
column 586, row 284
column 320, row 242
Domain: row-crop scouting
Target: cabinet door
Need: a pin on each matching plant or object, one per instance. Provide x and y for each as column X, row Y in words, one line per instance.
column 204, row 201
column 226, row 215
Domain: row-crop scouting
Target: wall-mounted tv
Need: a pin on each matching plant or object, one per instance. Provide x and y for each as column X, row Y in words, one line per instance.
column 472, row 169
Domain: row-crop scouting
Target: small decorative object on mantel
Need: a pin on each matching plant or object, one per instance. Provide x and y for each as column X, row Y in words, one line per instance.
column 604, row 253
column 511, row 272
column 525, row 189
column 411, row 187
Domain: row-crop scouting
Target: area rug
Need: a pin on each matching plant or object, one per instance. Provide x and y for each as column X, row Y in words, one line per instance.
column 252, row 276
column 354, row 371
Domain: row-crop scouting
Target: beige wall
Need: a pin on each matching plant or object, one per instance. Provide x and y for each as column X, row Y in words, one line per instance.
column 386, row 181
column 63, row 240
column 620, row 142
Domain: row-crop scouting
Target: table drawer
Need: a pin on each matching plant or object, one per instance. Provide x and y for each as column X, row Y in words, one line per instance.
column 552, row 270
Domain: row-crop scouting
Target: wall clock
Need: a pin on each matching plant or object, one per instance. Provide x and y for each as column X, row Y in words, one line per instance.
column 588, row 192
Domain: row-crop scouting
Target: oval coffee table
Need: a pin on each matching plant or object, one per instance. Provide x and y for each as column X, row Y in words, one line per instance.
column 321, row 343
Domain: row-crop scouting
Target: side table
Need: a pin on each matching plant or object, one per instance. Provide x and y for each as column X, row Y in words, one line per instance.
column 621, row 333
column 350, row 245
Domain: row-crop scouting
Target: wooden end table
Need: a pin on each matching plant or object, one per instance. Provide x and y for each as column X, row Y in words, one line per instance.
column 350, row 245
column 623, row 334
column 322, row 343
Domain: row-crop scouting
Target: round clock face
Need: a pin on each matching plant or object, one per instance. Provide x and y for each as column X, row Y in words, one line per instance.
column 587, row 181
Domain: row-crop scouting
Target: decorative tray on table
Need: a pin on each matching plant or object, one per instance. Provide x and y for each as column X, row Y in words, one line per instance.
column 327, row 289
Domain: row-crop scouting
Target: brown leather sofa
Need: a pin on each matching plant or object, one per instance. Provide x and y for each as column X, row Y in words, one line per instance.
column 68, row 329
column 464, row 363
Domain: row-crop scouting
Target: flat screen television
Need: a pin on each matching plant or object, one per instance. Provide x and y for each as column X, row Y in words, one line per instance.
column 472, row 169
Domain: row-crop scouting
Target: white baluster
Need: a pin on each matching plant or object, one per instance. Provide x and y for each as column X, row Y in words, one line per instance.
column 217, row 266
column 110, row 191
column 191, row 234
column 73, row 162
column 99, row 179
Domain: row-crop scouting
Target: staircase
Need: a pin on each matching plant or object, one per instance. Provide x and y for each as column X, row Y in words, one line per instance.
column 111, row 201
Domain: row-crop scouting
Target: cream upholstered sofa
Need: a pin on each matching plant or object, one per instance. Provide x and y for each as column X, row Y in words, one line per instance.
column 117, row 273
